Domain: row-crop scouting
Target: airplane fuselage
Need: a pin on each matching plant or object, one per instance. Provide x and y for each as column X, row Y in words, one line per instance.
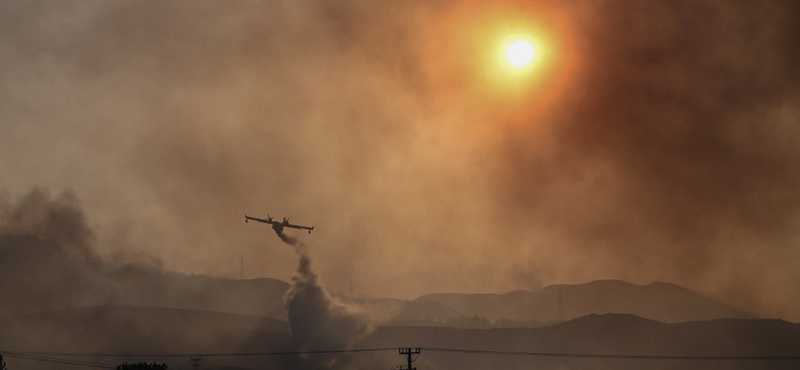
column 278, row 226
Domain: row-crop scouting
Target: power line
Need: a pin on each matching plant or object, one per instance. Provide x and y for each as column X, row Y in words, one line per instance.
column 384, row 349
column 60, row 361
column 607, row 356
column 219, row 354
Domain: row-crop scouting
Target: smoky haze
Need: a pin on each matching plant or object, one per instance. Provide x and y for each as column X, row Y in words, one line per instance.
column 669, row 155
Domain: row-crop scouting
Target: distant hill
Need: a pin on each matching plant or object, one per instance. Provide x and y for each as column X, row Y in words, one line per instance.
column 257, row 297
column 658, row 301
column 141, row 330
column 144, row 330
column 389, row 311
column 103, row 328
column 601, row 334
column 55, row 278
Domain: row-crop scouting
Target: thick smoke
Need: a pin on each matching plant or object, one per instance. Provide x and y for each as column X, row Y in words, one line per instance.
column 60, row 218
column 49, row 262
column 57, row 293
column 317, row 320
column 669, row 154
column 46, row 254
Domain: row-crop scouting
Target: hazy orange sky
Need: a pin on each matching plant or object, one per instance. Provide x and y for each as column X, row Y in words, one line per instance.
column 653, row 141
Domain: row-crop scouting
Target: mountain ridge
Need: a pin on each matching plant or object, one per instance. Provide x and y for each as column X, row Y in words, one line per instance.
column 58, row 278
column 661, row 301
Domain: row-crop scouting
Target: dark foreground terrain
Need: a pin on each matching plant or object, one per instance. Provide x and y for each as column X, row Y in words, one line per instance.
column 125, row 333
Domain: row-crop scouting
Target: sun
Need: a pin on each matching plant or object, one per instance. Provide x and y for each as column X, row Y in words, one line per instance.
column 516, row 57
column 520, row 53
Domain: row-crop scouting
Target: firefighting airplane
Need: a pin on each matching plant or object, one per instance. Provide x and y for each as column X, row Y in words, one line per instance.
column 278, row 225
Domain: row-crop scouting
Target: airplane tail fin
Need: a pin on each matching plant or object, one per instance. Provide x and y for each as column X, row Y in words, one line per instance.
column 309, row 230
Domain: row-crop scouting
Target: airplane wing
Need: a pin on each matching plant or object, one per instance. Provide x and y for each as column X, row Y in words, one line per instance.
column 246, row 217
column 301, row 227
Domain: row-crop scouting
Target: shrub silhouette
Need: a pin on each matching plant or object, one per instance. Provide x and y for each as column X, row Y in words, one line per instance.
column 140, row 366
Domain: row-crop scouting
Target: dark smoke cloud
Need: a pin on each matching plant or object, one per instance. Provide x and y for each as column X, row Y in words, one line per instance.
column 60, row 218
column 44, row 274
column 669, row 155
column 317, row 320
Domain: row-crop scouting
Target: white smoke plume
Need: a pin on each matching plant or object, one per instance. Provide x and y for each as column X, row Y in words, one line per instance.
column 317, row 320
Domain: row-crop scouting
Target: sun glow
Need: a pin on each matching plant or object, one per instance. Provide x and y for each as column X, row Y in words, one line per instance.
column 520, row 53
column 515, row 58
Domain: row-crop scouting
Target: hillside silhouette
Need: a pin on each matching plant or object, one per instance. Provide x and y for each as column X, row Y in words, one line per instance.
column 137, row 330
column 72, row 302
column 60, row 279
column 604, row 334
column 114, row 329
column 658, row 301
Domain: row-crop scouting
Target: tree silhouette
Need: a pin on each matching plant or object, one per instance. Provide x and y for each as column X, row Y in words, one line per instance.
column 2, row 363
column 139, row 366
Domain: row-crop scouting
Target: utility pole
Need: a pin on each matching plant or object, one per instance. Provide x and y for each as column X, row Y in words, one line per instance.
column 409, row 352
column 196, row 362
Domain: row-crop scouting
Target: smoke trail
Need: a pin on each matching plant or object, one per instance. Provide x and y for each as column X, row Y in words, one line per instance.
column 317, row 320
